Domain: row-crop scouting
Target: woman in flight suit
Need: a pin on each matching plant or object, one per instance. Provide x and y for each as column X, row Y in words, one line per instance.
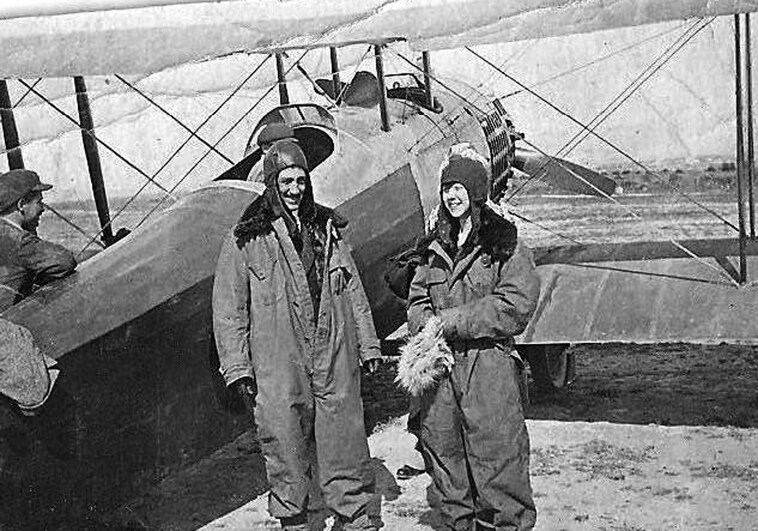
column 481, row 283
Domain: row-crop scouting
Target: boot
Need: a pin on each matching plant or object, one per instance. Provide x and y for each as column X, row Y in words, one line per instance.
column 483, row 525
column 295, row 523
column 362, row 522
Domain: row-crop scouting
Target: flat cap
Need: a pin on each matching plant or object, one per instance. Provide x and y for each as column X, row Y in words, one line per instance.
column 15, row 184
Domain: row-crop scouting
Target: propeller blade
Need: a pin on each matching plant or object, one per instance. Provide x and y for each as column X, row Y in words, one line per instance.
column 563, row 174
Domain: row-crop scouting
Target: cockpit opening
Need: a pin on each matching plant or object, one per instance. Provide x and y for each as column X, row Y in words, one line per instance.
column 407, row 86
column 312, row 125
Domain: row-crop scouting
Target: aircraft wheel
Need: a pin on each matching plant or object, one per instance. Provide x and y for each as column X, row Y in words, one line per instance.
column 553, row 366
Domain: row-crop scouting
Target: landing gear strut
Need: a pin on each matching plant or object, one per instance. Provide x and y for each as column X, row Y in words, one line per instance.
column 553, row 366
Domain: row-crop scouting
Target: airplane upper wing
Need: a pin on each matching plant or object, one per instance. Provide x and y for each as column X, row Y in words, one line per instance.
column 88, row 37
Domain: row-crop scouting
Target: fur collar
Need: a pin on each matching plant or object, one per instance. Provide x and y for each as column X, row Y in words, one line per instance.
column 259, row 216
column 497, row 235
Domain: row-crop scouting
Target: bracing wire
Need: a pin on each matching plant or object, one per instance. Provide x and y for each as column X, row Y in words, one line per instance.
column 598, row 60
column 181, row 146
column 197, row 163
column 543, row 227
column 615, row 103
column 90, row 133
column 174, row 118
column 354, row 71
column 610, row 55
column 25, row 94
column 579, row 177
column 71, row 224
column 636, row 216
column 607, row 142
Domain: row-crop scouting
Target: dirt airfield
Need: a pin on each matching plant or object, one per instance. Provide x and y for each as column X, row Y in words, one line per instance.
column 649, row 437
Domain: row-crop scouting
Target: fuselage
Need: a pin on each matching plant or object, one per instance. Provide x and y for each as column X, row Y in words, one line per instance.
column 131, row 329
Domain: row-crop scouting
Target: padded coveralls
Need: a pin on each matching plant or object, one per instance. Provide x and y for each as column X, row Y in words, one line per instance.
column 473, row 433
column 309, row 405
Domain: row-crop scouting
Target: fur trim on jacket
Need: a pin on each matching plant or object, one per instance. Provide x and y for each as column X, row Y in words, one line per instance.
column 259, row 216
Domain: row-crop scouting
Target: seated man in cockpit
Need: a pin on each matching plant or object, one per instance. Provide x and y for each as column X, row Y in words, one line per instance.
column 25, row 259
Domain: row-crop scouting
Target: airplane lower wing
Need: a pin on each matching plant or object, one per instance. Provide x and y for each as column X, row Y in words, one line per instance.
column 660, row 300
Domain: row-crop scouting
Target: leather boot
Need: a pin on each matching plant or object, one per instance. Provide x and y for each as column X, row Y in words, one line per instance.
column 295, row 523
column 361, row 522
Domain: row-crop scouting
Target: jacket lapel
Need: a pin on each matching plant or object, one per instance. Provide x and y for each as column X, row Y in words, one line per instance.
column 437, row 248
column 462, row 266
column 457, row 269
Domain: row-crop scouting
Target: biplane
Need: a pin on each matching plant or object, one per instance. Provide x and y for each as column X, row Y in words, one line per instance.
column 139, row 394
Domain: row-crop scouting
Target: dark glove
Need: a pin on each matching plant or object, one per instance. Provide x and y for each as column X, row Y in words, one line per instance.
column 372, row 365
column 246, row 389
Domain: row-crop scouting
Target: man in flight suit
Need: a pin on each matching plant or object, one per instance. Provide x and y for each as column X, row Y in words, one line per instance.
column 293, row 326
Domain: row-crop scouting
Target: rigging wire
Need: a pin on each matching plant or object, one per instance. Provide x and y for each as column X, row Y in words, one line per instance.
column 174, row 118
column 332, row 103
column 72, row 224
column 615, row 103
column 461, row 107
column 478, row 109
column 543, row 227
column 647, row 170
column 92, row 134
column 636, row 216
column 197, row 163
column 602, row 114
column 181, row 146
column 354, row 71
column 25, row 94
column 600, row 59
column 582, row 179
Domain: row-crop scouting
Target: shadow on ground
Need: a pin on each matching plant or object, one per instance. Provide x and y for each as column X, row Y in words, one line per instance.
column 676, row 384
column 633, row 384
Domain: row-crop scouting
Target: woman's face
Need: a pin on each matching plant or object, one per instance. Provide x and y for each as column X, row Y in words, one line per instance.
column 456, row 200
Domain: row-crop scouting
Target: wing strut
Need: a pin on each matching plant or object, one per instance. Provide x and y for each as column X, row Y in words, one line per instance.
column 745, row 162
column 87, row 127
column 382, row 91
column 750, row 139
column 336, row 81
column 427, row 79
column 281, row 77
column 10, row 133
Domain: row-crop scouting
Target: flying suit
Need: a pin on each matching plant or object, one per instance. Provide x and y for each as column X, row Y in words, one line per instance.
column 305, row 358
column 473, row 434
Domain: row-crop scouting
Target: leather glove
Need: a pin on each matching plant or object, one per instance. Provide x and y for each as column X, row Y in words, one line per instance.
column 246, row 389
column 372, row 365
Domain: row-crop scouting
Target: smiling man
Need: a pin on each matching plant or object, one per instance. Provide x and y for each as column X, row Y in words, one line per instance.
column 293, row 326
column 26, row 260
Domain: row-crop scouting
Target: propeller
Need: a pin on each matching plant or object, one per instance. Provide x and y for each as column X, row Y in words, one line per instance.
column 563, row 174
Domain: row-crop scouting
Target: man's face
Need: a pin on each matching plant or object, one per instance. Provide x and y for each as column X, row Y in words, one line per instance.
column 291, row 183
column 32, row 209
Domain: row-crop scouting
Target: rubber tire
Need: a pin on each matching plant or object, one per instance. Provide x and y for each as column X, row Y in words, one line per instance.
column 553, row 366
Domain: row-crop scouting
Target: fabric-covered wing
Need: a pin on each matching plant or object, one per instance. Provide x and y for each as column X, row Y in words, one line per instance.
column 86, row 37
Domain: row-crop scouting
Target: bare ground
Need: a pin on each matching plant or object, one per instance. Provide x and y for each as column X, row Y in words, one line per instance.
column 649, row 437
